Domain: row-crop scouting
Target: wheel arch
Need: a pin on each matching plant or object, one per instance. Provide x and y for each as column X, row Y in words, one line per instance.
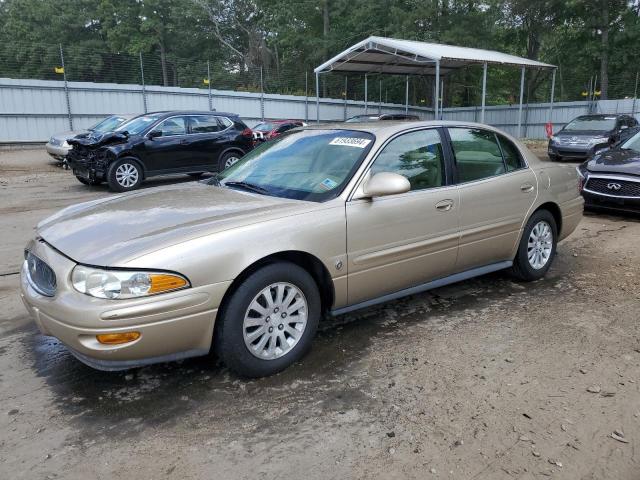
column 554, row 209
column 230, row 150
column 305, row 260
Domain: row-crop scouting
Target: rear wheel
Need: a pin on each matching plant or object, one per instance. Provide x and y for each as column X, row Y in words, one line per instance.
column 124, row 175
column 229, row 159
column 537, row 247
column 269, row 321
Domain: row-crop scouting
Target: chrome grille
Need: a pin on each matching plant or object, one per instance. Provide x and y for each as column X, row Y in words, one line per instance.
column 40, row 275
column 613, row 187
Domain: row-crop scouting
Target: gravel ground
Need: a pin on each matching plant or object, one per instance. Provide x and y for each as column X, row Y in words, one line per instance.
column 489, row 378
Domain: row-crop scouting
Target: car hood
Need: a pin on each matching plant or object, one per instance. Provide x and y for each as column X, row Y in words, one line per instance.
column 583, row 134
column 94, row 139
column 116, row 230
column 68, row 135
column 616, row 161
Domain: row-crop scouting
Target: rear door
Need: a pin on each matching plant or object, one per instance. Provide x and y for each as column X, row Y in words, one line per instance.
column 208, row 139
column 497, row 189
column 399, row 241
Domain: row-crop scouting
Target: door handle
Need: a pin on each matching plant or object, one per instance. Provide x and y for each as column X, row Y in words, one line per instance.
column 526, row 187
column 444, row 205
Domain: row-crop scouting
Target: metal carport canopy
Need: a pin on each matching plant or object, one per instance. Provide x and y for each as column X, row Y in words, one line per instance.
column 382, row 55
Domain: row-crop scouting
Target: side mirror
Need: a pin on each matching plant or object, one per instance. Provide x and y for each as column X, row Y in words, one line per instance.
column 385, row 183
column 154, row 134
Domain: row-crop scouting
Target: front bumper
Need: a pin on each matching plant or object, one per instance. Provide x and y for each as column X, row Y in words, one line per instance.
column 57, row 151
column 600, row 201
column 577, row 152
column 597, row 197
column 172, row 325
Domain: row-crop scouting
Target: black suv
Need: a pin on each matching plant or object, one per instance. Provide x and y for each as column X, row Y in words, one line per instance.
column 583, row 136
column 160, row 143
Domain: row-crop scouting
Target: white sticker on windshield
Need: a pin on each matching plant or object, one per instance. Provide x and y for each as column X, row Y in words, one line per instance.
column 350, row 142
column 328, row 184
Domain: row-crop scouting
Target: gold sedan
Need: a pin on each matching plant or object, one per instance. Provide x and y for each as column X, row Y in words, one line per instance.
column 324, row 219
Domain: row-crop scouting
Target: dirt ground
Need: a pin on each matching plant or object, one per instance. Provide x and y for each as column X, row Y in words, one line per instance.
column 486, row 379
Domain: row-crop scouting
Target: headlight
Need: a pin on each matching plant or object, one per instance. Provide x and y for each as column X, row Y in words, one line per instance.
column 122, row 284
column 553, row 139
column 65, row 144
column 580, row 174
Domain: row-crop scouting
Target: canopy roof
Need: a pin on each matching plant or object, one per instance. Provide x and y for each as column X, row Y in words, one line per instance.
column 408, row 57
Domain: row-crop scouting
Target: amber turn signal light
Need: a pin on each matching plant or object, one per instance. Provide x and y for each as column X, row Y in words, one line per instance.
column 163, row 283
column 117, row 338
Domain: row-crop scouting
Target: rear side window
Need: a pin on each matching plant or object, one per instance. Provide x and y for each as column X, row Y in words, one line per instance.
column 417, row 156
column 225, row 122
column 512, row 158
column 477, row 154
column 205, row 124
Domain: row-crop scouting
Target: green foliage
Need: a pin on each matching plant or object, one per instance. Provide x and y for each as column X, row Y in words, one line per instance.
column 102, row 41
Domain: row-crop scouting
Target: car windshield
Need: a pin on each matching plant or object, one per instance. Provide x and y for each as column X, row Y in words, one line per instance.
column 109, row 124
column 363, row 118
column 265, row 127
column 137, row 125
column 312, row 165
column 633, row 143
column 603, row 124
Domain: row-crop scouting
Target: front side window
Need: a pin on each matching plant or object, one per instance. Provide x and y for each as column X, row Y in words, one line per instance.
column 205, row 124
column 171, row 127
column 313, row 165
column 477, row 154
column 417, row 156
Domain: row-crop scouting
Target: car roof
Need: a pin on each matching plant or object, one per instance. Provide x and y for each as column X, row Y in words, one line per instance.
column 280, row 121
column 170, row 113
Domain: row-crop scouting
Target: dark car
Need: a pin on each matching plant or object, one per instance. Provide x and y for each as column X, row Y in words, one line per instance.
column 384, row 116
column 274, row 128
column 160, row 143
column 583, row 136
column 611, row 179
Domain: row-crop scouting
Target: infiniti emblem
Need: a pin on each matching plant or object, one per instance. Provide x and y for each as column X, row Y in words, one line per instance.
column 614, row 186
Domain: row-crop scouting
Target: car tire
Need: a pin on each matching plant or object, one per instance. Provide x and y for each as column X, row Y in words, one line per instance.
column 252, row 337
column 228, row 159
column 537, row 247
column 87, row 181
column 124, row 175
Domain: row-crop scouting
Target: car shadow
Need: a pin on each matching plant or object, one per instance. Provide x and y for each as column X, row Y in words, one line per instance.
column 331, row 378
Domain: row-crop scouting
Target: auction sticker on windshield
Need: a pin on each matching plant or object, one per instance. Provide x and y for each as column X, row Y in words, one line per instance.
column 350, row 142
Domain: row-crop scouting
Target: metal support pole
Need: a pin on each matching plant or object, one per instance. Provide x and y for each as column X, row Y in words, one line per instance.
column 441, row 110
column 366, row 95
column 380, row 98
column 144, row 89
column 209, row 85
column 635, row 96
column 346, row 85
column 317, row 98
column 437, row 94
column 406, row 95
column 553, row 94
column 484, row 91
column 521, row 100
column 261, row 96
column 306, row 97
column 66, row 89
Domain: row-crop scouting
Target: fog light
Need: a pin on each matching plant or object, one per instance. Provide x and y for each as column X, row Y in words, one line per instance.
column 117, row 338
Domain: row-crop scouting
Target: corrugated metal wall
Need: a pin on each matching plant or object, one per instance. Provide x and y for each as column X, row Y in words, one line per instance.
column 33, row 110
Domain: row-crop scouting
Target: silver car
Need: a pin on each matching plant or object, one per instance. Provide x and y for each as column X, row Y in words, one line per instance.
column 322, row 220
column 58, row 145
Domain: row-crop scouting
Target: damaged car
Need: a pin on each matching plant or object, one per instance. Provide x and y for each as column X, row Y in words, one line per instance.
column 160, row 143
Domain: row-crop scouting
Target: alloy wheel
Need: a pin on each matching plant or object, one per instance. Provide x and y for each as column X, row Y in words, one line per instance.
column 127, row 175
column 230, row 161
column 540, row 245
column 275, row 321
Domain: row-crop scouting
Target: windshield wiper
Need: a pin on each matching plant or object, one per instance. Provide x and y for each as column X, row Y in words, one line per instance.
column 248, row 186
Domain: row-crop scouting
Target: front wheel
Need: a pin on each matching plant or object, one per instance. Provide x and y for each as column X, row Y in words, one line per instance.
column 537, row 247
column 269, row 321
column 124, row 175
